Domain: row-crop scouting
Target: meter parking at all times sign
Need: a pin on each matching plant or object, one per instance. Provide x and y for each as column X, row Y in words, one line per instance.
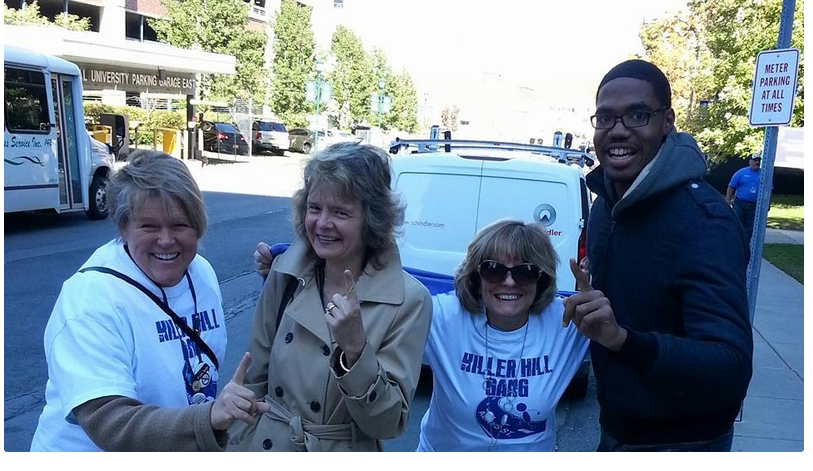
column 774, row 87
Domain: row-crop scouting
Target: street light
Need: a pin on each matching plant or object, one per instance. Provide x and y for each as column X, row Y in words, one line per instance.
column 319, row 91
column 381, row 83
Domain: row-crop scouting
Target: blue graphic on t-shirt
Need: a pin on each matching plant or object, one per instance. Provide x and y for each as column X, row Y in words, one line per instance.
column 501, row 418
column 501, row 414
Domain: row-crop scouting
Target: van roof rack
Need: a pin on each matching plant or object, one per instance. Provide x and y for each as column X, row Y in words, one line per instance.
column 562, row 155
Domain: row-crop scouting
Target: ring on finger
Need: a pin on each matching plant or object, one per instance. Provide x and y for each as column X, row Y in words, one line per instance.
column 330, row 307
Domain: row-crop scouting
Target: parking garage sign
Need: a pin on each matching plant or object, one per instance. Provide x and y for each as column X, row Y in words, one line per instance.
column 774, row 87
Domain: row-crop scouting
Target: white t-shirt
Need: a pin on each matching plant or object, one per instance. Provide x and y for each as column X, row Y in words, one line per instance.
column 513, row 408
column 107, row 338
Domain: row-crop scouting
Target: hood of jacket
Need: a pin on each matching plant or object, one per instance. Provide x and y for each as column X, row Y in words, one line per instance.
column 678, row 161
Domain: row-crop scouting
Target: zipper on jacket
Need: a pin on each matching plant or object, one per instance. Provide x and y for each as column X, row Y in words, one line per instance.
column 607, row 250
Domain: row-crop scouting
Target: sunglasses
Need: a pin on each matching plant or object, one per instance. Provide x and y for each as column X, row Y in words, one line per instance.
column 524, row 274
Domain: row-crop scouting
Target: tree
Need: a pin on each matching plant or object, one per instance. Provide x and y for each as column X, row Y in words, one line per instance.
column 218, row 26
column 30, row 15
column 353, row 79
column 448, row 117
column 714, row 46
column 382, row 71
column 404, row 104
column 294, row 64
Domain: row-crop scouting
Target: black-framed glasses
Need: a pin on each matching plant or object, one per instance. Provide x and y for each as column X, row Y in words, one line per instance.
column 630, row 120
column 524, row 273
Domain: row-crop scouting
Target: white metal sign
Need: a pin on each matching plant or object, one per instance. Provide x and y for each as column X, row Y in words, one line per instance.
column 774, row 87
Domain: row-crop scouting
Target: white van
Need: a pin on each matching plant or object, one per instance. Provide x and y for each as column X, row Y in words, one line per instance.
column 47, row 155
column 450, row 195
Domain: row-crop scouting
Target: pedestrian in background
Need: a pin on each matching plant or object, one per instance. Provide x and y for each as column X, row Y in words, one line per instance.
column 136, row 337
column 668, row 261
column 743, row 191
column 339, row 328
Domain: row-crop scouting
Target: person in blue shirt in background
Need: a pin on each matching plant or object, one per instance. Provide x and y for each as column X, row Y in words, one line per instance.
column 743, row 191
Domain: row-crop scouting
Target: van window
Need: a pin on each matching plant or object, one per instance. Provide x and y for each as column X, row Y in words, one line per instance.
column 271, row 126
column 26, row 101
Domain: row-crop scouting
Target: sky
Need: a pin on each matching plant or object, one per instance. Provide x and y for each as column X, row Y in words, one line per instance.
column 443, row 41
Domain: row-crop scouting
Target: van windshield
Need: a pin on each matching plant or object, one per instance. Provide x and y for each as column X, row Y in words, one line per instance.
column 271, row 126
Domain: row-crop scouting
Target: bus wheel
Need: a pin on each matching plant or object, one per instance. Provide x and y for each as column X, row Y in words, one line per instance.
column 98, row 198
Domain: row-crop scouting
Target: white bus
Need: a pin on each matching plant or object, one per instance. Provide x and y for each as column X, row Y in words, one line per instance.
column 47, row 158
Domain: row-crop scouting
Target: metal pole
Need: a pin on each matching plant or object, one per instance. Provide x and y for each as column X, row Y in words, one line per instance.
column 318, row 100
column 766, row 175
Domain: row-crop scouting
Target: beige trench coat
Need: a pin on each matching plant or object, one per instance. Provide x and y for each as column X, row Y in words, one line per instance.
column 313, row 408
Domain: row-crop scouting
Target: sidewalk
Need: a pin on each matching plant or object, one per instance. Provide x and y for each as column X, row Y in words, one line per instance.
column 781, row 236
column 773, row 412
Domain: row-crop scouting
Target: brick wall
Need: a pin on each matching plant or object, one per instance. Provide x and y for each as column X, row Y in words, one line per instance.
column 147, row 7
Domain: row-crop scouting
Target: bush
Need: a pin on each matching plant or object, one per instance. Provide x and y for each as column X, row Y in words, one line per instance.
column 150, row 121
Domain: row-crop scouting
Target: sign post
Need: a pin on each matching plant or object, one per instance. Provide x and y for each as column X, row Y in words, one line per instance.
column 771, row 106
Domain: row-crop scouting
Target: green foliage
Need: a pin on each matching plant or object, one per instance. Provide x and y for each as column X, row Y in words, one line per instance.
column 150, row 121
column 354, row 78
column 790, row 258
column 30, row 15
column 404, row 114
column 218, row 26
column 787, row 212
column 294, row 63
column 709, row 53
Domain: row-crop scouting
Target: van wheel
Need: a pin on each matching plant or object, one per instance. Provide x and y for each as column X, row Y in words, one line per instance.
column 306, row 148
column 98, row 198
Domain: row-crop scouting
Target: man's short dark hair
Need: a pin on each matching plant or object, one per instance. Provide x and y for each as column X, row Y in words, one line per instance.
column 641, row 70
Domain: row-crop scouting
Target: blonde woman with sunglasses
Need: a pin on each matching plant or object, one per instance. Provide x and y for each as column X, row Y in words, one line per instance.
column 500, row 358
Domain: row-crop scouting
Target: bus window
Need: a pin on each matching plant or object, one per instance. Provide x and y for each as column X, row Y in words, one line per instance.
column 26, row 101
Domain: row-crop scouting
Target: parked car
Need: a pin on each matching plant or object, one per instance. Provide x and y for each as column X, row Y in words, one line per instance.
column 302, row 140
column 270, row 135
column 484, row 182
column 223, row 138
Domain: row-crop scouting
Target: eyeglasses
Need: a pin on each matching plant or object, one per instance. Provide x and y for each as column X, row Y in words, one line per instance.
column 632, row 119
column 524, row 274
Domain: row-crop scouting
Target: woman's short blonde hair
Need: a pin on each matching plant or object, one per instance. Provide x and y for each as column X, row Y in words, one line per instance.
column 507, row 239
column 360, row 173
column 150, row 173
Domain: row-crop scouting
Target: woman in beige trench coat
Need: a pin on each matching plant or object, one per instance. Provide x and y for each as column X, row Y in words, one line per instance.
column 340, row 371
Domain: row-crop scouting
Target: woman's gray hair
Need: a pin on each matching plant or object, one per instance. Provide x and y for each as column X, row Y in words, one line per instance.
column 360, row 173
column 506, row 239
column 151, row 173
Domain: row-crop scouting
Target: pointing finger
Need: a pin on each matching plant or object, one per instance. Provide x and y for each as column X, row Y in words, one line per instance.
column 582, row 279
column 349, row 284
column 240, row 374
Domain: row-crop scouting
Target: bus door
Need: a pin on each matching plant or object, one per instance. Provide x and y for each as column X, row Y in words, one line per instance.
column 65, row 103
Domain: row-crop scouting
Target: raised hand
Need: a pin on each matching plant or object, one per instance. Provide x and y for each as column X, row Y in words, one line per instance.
column 236, row 402
column 262, row 259
column 591, row 312
column 343, row 316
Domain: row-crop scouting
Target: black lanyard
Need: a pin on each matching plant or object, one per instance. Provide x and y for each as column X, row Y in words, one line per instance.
column 164, row 305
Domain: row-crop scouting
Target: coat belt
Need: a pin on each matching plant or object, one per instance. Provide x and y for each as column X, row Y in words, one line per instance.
column 305, row 435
